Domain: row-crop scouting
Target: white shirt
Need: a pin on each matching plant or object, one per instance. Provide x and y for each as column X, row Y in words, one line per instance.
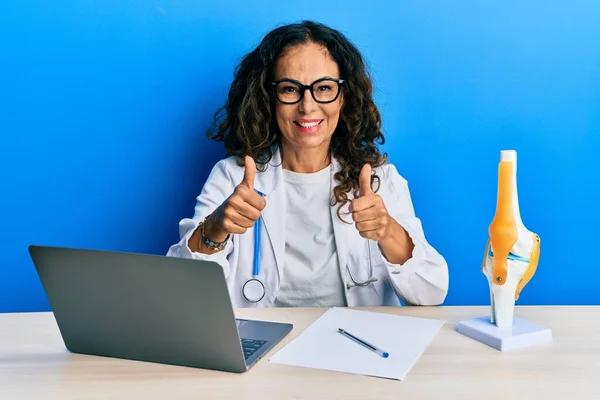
column 311, row 275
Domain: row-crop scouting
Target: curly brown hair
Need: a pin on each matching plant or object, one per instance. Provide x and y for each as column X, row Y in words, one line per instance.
column 247, row 125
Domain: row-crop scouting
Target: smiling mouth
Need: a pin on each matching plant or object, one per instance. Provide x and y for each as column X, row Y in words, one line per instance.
column 308, row 125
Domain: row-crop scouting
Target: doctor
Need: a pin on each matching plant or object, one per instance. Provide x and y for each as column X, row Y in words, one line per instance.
column 306, row 211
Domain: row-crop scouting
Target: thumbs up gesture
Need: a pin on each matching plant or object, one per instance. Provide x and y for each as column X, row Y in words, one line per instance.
column 241, row 209
column 368, row 211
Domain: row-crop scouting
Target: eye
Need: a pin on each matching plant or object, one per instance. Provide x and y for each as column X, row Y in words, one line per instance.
column 288, row 89
column 324, row 87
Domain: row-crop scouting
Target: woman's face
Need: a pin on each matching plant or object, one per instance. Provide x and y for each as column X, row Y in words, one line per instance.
column 307, row 124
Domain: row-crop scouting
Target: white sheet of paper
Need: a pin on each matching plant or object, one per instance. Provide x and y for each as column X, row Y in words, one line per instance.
column 321, row 346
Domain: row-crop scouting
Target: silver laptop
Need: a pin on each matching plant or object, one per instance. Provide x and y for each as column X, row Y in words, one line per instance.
column 150, row 308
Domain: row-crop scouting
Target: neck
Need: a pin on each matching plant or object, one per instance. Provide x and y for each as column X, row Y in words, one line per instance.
column 305, row 161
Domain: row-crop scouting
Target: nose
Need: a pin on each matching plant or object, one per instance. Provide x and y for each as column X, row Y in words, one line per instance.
column 307, row 104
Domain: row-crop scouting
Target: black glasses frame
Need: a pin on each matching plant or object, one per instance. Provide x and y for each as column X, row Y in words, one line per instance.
column 303, row 89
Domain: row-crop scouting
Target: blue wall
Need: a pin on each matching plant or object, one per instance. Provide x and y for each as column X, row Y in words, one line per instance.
column 104, row 105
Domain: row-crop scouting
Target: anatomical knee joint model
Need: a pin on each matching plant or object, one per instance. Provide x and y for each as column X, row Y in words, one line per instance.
column 512, row 251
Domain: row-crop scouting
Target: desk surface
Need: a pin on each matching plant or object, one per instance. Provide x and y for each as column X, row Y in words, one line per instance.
column 35, row 364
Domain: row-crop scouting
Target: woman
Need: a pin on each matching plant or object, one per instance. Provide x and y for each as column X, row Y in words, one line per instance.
column 306, row 211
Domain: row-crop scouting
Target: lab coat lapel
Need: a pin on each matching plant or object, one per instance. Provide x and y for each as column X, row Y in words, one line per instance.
column 341, row 229
column 269, row 182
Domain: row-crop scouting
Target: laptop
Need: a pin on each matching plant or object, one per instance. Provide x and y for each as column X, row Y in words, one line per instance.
column 150, row 308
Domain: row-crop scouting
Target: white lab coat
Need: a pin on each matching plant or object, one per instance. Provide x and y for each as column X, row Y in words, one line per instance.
column 422, row 280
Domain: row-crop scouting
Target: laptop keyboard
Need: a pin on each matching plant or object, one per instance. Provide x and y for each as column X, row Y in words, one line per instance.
column 250, row 346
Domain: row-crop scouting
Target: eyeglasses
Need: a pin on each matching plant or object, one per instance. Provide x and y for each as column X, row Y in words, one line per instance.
column 324, row 90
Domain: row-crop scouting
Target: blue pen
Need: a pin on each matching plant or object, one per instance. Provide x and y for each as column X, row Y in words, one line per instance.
column 368, row 345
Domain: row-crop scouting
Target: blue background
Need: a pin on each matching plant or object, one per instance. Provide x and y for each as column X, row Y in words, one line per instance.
column 104, row 107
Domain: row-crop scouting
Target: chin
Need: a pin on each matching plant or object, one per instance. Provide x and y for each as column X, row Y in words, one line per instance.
column 311, row 140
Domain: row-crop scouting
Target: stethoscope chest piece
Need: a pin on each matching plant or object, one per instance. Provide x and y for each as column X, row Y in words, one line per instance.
column 253, row 290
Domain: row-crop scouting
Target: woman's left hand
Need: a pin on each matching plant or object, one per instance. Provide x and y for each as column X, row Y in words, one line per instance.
column 368, row 211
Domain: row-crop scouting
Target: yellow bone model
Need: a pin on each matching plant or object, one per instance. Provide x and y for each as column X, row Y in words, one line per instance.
column 512, row 251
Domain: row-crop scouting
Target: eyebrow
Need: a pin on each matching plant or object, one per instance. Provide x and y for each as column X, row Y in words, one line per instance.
column 300, row 83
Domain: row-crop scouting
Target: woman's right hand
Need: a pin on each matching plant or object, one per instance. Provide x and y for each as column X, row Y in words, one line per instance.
column 239, row 211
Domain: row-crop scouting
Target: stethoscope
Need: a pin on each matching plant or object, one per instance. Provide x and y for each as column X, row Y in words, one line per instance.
column 371, row 277
column 254, row 290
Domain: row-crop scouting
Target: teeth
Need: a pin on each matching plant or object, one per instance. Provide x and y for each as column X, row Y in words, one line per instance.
column 308, row 125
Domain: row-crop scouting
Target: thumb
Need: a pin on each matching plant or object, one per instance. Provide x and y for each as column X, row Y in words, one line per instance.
column 249, row 172
column 364, row 180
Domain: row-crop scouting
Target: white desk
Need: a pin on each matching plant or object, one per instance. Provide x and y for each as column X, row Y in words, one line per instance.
column 35, row 364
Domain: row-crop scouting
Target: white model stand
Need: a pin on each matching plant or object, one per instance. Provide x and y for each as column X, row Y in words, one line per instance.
column 521, row 334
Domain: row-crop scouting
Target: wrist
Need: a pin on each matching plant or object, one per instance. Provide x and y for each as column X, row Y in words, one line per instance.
column 212, row 231
column 390, row 237
column 397, row 246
